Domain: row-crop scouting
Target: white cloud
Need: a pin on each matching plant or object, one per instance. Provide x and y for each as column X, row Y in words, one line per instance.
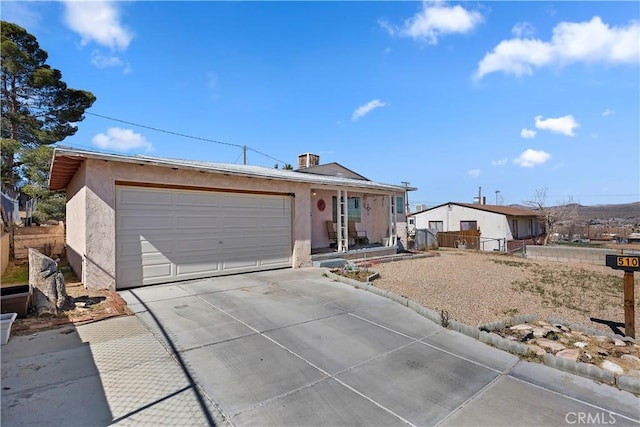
column 474, row 173
column 367, row 108
column 590, row 41
column 121, row 140
column 97, row 21
column 530, row 158
column 564, row 125
column 501, row 162
column 523, row 29
column 107, row 61
column 527, row 133
column 435, row 20
column 608, row 112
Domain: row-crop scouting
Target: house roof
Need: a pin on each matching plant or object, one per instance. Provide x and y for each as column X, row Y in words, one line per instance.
column 332, row 169
column 67, row 161
column 499, row 209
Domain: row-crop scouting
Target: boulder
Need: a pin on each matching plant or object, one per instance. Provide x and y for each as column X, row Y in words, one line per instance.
column 47, row 285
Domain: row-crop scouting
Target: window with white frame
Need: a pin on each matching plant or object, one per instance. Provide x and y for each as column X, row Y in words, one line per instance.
column 354, row 209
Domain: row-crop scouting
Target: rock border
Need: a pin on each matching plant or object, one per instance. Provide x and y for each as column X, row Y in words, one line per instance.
column 484, row 333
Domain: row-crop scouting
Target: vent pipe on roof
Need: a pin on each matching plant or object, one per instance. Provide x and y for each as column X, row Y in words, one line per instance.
column 308, row 160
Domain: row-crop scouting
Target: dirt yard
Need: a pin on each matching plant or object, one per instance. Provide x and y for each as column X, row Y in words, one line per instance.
column 477, row 288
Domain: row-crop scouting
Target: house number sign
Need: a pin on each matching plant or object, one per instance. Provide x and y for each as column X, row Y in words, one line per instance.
column 628, row 263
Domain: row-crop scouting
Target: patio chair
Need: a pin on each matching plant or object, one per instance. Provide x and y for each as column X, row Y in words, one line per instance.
column 332, row 234
column 360, row 237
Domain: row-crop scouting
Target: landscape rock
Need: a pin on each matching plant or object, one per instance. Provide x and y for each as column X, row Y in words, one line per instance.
column 553, row 346
column 613, row 367
column 521, row 327
column 539, row 351
column 571, row 354
column 632, row 360
column 539, row 332
column 619, row 343
column 580, row 344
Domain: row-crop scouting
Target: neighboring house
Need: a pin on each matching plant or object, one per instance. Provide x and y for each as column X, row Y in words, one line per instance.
column 138, row 220
column 497, row 224
column 634, row 238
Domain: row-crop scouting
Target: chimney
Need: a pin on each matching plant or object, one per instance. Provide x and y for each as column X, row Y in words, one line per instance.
column 308, row 160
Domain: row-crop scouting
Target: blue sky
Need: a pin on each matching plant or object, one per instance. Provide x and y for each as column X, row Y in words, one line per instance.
column 507, row 96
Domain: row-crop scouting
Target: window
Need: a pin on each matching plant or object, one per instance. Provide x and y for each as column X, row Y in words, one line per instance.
column 354, row 209
column 468, row 225
column 436, row 225
column 399, row 204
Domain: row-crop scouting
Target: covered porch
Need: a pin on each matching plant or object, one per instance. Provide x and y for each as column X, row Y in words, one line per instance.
column 356, row 220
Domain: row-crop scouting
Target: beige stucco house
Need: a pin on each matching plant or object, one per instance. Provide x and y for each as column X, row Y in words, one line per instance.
column 139, row 220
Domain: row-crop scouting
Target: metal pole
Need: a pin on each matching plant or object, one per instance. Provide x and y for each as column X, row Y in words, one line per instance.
column 244, row 152
column 629, row 320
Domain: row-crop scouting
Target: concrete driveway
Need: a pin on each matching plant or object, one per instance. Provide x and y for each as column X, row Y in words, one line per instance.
column 291, row 347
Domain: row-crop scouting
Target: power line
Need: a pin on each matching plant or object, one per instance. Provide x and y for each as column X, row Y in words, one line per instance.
column 183, row 135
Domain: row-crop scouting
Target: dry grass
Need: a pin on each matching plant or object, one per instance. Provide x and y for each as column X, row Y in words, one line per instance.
column 478, row 288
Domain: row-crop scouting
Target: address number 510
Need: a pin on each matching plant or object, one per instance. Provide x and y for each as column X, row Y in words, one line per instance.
column 626, row 261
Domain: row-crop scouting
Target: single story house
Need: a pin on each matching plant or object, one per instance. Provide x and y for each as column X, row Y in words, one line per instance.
column 140, row 220
column 497, row 224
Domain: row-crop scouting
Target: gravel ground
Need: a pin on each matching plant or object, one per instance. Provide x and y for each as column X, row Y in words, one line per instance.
column 477, row 288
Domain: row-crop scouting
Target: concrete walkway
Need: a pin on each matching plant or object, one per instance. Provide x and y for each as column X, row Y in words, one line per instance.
column 286, row 347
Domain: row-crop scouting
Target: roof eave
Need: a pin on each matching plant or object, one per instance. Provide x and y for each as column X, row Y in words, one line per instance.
column 65, row 152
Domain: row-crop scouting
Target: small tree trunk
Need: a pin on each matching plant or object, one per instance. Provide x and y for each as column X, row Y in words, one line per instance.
column 47, row 285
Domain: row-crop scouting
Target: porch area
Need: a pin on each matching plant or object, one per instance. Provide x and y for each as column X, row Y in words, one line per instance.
column 355, row 224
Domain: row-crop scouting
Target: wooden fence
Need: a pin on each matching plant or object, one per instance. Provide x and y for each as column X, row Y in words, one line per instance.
column 4, row 250
column 470, row 239
column 48, row 240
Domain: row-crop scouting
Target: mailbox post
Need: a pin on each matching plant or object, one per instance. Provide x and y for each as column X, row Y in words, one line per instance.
column 628, row 263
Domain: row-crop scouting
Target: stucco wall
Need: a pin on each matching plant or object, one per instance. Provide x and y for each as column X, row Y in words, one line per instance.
column 595, row 256
column 76, row 234
column 101, row 176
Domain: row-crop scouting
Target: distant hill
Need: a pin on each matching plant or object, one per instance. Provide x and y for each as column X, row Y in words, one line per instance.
column 623, row 210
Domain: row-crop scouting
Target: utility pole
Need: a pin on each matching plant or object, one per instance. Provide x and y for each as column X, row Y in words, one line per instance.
column 497, row 191
column 244, row 154
column 406, row 196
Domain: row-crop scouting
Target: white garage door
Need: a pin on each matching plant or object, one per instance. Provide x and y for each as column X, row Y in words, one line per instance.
column 164, row 235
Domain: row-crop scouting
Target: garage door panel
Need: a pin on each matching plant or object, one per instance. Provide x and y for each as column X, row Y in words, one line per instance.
column 195, row 199
column 198, row 243
column 132, row 199
column 139, row 247
column 149, row 222
column 205, row 266
column 168, row 234
column 202, row 222
column 154, row 272
column 234, row 265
